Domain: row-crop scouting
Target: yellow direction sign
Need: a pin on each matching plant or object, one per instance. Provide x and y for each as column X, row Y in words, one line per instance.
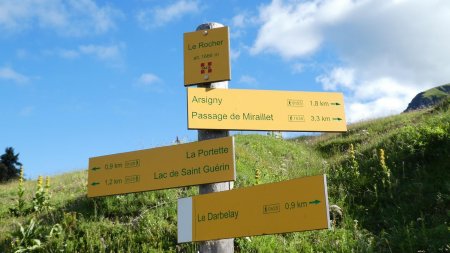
column 265, row 110
column 296, row 205
column 161, row 168
column 206, row 56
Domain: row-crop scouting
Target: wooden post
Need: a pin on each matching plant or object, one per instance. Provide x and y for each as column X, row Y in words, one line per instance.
column 224, row 245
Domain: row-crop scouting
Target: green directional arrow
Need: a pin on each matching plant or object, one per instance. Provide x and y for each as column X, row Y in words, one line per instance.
column 95, row 183
column 314, row 202
column 95, row 168
column 337, row 119
column 336, row 103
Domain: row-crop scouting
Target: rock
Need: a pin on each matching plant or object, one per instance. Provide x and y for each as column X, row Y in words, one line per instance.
column 336, row 215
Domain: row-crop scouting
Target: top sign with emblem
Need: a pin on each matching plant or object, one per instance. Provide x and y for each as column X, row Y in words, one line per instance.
column 206, row 56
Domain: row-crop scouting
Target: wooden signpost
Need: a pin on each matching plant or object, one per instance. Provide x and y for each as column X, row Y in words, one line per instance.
column 206, row 56
column 224, row 245
column 161, row 168
column 265, row 110
column 219, row 213
column 295, row 205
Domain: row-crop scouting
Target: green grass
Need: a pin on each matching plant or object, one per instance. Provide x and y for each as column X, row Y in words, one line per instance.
column 401, row 207
column 412, row 213
column 436, row 92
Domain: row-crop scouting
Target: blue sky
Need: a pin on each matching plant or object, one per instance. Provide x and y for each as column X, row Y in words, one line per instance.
column 86, row 78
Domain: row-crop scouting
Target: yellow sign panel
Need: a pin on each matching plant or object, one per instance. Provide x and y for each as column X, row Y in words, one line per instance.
column 265, row 110
column 295, row 205
column 161, row 168
column 206, row 56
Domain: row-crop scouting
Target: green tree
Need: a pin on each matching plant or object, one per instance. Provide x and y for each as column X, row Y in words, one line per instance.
column 8, row 163
column 3, row 172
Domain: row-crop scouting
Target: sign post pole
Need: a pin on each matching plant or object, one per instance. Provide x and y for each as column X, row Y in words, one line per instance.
column 224, row 245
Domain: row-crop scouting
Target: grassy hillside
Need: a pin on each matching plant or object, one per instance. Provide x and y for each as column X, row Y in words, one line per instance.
column 403, row 195
column 395, row 200
column 429, row 97
column 439, row 92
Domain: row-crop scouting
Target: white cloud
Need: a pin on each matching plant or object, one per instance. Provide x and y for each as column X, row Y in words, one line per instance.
column 71, row 18
column 372, row 98
column 69, row 54
column 338, row 77
column 238, row 21
column 387, row 51
column 241, row 23
column 243, row 20
column 10, row 74
column 161, row 16
column 111, row 54
column 234, row 54
column 298, row 68
column 294, row 29
column 26, row 111
column 21, row 53
column 149, row 81
column 249, row 80
column 380, row 107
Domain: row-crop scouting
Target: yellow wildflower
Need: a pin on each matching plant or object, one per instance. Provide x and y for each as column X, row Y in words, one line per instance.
column 21, row 175
column 47, row 182
column 39, row 182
